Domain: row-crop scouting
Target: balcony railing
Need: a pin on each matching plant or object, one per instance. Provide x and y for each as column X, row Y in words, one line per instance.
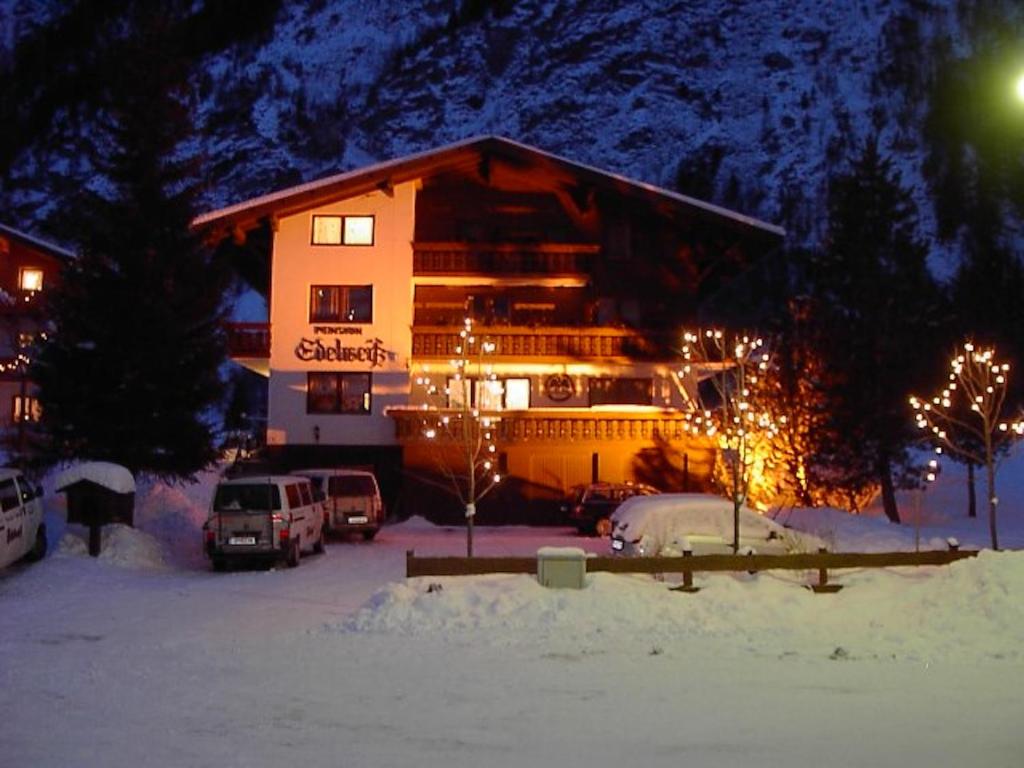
column 502, row 258
column 249, row 340
column 553, row 342
column 550, row 425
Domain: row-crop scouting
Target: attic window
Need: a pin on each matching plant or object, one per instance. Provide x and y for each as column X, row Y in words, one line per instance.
column 30, row 279
column 343, row 230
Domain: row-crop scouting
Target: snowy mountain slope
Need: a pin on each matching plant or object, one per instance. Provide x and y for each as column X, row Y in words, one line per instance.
column 755, row 101
column 780, row 88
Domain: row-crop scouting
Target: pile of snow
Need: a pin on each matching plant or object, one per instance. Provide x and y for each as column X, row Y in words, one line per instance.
column 121, row 545
column 111, row 476
column 968, row 611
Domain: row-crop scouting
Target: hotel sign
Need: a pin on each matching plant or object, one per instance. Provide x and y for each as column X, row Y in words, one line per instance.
column 333, row 351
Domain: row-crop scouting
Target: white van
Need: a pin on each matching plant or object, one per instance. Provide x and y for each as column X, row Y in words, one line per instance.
column 352, row 502
column 270, row 518
column 22, row 531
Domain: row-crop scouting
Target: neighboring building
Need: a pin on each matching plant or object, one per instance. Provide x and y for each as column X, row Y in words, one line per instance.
column 580, row 278
column 28, row 268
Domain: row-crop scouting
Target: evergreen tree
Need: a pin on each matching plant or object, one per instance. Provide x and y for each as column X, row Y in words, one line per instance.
column 130, row 371
column 879, row 308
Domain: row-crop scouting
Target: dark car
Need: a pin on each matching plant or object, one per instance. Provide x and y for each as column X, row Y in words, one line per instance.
column 591, row 506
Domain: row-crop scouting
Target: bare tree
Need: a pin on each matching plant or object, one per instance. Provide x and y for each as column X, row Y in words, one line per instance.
column 461, row 419
column 967, row 418
column 730, row 364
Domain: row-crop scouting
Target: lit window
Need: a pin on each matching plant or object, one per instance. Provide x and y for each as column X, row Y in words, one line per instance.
column 517, row 394
column 341, row 304
column 489, row 395
column 343, row 230
column 338, row 393
column 459, row 393
column 25, row 409
column 359, row 230
column 30, row 279
column 327, row 230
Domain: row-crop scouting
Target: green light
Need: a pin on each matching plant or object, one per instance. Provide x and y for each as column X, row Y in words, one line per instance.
column 1020, row 87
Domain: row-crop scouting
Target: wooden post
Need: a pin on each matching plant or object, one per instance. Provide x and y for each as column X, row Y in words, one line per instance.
column 409, row 554
column 823, row 587
column 687, row 585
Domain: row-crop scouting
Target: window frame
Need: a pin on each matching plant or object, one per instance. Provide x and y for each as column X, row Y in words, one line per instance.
column 341, row 217
column 345, row 291
column 338, row 393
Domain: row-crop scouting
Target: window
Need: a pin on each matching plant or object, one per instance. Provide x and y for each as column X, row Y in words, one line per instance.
column 30, row 279
column 341, row 304
column 8, row 495
column 620, row 391
column 25, row 409
column 307, row 498
column 338, row 393
column 343, row 230
column 517, row 394
column 489, row 395
column 255, row 497
column 291, row 491
column 459, row 393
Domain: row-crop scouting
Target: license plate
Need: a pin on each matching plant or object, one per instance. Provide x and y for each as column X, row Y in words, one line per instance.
column 242, row 540
column 358, row 520
column 617, row 544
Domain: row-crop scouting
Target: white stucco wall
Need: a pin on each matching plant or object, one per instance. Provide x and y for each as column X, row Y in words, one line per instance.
column 387, row 266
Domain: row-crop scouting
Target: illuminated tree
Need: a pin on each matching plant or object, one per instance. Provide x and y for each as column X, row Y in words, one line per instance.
column 727, row 412
column 460, row 418
column 967, row 418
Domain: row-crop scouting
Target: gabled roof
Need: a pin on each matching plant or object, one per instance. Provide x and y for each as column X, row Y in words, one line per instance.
column 285, row 202
column 35, row 242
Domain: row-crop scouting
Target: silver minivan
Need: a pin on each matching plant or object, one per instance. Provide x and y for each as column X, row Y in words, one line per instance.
column 351, row 497
column 272, row 518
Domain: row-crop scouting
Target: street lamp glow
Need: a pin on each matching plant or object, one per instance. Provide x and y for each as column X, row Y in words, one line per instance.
column 1020, row 87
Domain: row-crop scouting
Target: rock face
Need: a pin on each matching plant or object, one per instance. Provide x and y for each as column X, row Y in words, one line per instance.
column 749, row 103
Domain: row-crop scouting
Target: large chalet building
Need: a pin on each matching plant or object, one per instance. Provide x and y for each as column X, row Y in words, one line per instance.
column 29, row 267
column 579, row 280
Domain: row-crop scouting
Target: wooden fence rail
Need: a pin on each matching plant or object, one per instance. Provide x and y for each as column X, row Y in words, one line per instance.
column 688, row 565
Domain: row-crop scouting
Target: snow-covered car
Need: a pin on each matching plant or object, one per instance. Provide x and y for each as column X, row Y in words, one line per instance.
column 669, row 523
column 351, row 499
column 22, row 530
column 592, row 505
column 271, row 518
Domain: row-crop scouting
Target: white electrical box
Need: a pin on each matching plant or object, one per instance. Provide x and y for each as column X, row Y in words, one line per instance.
column 562, row 567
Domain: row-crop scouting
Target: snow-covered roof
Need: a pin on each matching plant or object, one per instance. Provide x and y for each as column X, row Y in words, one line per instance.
column 36, row 242
column 361, row 180
column 114, row 477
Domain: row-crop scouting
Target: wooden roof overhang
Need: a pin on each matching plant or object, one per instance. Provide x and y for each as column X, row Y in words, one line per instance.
column 516, row 163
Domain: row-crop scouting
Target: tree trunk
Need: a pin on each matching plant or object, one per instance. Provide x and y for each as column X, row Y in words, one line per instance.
column 990, row 472
column 888, row 491
column 972, row 496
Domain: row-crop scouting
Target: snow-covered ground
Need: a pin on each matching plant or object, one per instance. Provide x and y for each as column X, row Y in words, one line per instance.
column 146, row 657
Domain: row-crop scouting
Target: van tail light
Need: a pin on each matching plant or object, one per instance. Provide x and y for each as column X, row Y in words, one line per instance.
column 284, row 535
column 277, row 518
column 211, row 536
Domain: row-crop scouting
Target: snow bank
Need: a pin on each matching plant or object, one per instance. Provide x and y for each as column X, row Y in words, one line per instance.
column 967, row 611
column 121, row 545
column 111, row 476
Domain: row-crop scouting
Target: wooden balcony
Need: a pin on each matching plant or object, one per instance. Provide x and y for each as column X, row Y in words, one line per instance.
column 540, row 344
column 553, row 425
column 248, row 340
column 502, row 259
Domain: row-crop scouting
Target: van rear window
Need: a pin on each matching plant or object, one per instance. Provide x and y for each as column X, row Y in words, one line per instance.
column 352, row 485
column 257, row 497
